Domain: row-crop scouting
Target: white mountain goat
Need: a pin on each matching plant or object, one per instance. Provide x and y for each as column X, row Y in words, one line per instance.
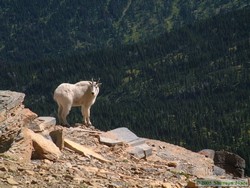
column 82, row 94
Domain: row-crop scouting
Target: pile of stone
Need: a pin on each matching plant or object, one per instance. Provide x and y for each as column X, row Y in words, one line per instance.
column 17, row 139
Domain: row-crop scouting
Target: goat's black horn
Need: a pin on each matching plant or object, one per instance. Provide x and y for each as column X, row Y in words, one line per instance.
column 98, row 80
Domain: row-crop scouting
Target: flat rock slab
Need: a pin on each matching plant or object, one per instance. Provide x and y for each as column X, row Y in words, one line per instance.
column 41, row 123
column 83, row 150
column 138, row 147
column 10, row 99
column 109, row 141
column 47, row 120
column 124, row 134
column 119, row 135
column 43, row 148
column 140, row 151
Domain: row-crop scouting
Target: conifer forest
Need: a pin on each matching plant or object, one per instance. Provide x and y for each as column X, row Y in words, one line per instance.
column 176, row 71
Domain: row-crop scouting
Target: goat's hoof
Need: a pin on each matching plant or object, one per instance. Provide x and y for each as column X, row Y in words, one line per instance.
column 65, row 125
column 87, row 124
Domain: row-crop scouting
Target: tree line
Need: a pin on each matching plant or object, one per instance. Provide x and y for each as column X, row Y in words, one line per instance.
column 189, row 87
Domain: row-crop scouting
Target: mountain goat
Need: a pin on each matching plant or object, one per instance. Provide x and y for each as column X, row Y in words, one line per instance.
column 82, row 94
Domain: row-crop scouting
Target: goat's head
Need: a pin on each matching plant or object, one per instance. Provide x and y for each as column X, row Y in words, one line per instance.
column 94, row 86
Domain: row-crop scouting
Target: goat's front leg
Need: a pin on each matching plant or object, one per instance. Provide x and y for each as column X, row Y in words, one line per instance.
column 86, row 115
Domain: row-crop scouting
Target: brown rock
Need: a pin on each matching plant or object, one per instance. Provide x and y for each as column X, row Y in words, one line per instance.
column 35, row 126
column 13, row 116
column 30, row 172
column 28, row 116
column 44, row 148
column 166, row 185
column 57, row 135
column 172, row 164
column 3, row 168
column 11, row 181
column 42, row 123
column 21, row 149
column 11, row 120
column 83, row 150
column 191, row 184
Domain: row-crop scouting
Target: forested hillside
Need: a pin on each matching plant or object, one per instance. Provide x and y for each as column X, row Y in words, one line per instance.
column 190, row 87
column 36, row 30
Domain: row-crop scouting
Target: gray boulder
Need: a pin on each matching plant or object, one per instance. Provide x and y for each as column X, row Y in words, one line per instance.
column 231, row 162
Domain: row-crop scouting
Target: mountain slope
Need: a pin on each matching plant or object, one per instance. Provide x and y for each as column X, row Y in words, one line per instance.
column 35, row 30
column 189, row 87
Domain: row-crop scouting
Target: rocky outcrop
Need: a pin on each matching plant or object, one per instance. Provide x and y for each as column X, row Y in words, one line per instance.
column 13, row 116
column 81, row 156
column 231, row 162
column 16, row 140
column 226, row 162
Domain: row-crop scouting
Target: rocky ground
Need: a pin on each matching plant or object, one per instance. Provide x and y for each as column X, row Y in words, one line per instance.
column 23, row 136
column 75, row 170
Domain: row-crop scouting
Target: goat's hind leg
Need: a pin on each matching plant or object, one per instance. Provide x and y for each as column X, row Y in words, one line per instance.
column 59, row 114
column 64, row 114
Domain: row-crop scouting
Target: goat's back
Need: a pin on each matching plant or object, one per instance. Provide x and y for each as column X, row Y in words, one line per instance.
column 62, row 91
column 76, row 94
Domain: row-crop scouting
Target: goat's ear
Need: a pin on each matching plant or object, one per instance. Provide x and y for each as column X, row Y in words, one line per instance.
column 99, row 84
column 90, row 82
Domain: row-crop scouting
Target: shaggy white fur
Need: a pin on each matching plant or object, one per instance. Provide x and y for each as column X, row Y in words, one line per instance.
column 82, row 94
